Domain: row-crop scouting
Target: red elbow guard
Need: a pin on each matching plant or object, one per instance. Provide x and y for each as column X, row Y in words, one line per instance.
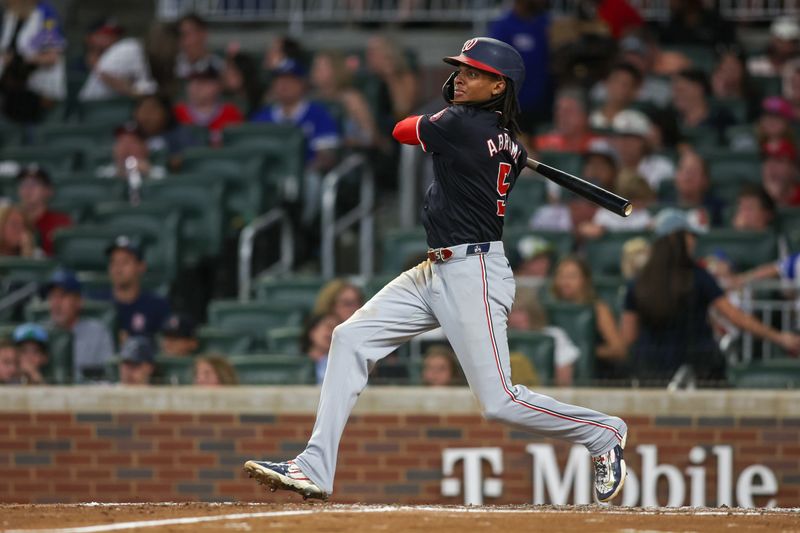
column 405, row 131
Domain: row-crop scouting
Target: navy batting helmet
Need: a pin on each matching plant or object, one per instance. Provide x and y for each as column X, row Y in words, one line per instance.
column 491, row 55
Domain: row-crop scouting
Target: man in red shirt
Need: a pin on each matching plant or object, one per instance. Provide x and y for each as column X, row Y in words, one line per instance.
column 779, row 172
column 571, row 132
column 205, row 107
column 35, row 190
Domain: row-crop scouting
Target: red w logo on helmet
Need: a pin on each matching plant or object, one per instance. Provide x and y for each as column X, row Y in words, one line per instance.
column 469, row 44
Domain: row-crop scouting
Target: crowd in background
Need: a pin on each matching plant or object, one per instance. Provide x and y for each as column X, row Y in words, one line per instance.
column 640, row 113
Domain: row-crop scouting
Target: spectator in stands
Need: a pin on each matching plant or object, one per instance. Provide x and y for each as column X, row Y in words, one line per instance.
column 784, row 45
column 787, row 269
column 567, row 212
column 791, row 84
column 755, row 210
column 15, row 238
column 339, row 298
column 32, row 72
column 214, row 371
column 691, row 92
column 194, row 55
column 775, row 123
column 571, row 132
column 631, row 137
column 622, row 85
column 179, row 336
column 280, row 49
column 601, row 162
column 535, row 257
column 665, row 321
column 159, row 127
column 527, row 314
column 316, row 341
column 693, row 188
column 641, row 197
column 635, row 253
column 331, row 80
column 779, row 174
column 572, row 283
column 35, row 190
column 137, row 361
column 240, row 80
column 440, row 367
column 130, row 153
column 400, row 86
column 32, row 341
column 118, row 65
column 92, row 344
column 619, row 15
column 731, row 82
column 139, row 311
column 204, row 106
column 9, row 363
column 525, row 27
column 691, row 22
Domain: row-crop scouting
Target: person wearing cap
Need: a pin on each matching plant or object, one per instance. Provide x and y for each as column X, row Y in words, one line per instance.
column 179, row 336
column 194, row 52
column 691, row 22
column 784, row 45
column 535, row 257
column 35, row 190
column 139, row 311
column 9, row 363
column 204, row 106
column 130, row 152
column 640, row 49
column 665, row 321
column 31, row 341
column 622, row 85
column 137, row 361
column 118, row 64
column 779, row 173
column 691, row 91
column 693, row 189
column 631, row 138
column 571, row 132
column 776, row 120
column 92, row 344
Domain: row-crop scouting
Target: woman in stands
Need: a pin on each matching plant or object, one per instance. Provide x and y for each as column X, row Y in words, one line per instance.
column 15, row 238
column 214, row 371
column 339, row 298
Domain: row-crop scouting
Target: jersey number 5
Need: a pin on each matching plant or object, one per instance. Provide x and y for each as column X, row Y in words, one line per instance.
column 502, row 187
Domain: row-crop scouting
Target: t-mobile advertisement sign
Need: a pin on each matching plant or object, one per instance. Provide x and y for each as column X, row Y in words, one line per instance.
column 574, row 484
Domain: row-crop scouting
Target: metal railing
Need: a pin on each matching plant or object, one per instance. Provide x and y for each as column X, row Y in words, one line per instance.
column 247, row 239
column 17, row 295
column 362, row 214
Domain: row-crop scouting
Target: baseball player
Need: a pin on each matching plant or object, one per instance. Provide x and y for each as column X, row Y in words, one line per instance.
column 466, row 286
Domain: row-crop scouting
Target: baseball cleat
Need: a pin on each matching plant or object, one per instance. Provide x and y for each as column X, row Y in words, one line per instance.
column 609, row 473
column 284, row 476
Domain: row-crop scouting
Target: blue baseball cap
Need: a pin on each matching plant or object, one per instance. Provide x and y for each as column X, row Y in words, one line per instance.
column 124, row 242
column 137, row 349
column 290, row 67
column 670, row 220
column 30, row 333
column 65, row 280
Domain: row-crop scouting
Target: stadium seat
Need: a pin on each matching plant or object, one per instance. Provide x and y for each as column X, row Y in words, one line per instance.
column 253, row 318
column 700, row 137
column 273, row 369
column 79, row 195
column 783, row 373
column 578, row 321
column 789, row 225
column 59, row 369
column 57, row 160
column 702, row 57
column 82, row 138
column 216, row 340
column 529, row 192
column 726, row 166
column 604, row 254
column 289, row 289
column 174, row 370
column 400, row 246
column 284, row 340
column 768, row 85
column 745, row 249
column 539, row 348
column 25, row 269
column 562, row 241
column 39, row 311
column 114, row 111
column 202, row 213
column 735, row 106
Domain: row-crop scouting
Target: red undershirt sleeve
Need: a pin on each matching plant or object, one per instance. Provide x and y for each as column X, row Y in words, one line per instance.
column 406, row 131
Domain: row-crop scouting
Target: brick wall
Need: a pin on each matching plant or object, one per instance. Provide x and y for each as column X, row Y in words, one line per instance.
column 146, row 454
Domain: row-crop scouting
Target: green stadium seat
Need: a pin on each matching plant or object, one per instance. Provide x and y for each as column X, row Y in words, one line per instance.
column 82, row 138
column 604, row 254
column 742, row 137
column 745, row 249
column 39, row 311
column 273, row 369
column 11, row 134
column 789, row 225
column 726, row 166
column 768, row 85
column 253, row 318
column 702, row 57
column 400, row 246
column 289, row 289
column 562, row 241
column 217, row 340
column 374, row 284
column 736, row 107
column 783, row 373
column 174, row 370
column 566, row 161
column 529, row 192
column 700, row 137
column 58, row 160
column 539, row 348
column 113, row 111
column 82, row 194
column 578, row 321
column 202, row 208
column 25, row 269
column 59, row 369
column 284, row 340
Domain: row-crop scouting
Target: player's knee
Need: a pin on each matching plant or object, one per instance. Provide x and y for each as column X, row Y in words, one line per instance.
column 343, row 336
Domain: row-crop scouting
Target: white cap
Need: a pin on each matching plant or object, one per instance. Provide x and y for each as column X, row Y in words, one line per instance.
column 631, row 122
column 785, row 28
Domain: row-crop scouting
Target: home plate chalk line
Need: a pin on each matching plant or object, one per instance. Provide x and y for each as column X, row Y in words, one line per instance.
column 356, row 509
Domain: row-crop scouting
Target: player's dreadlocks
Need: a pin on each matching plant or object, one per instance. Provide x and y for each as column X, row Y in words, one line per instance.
column 506, row 104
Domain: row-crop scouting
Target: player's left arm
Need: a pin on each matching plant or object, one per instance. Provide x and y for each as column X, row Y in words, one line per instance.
column 407, row 130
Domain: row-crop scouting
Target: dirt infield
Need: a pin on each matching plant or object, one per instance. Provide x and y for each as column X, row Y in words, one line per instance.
column 319, row 517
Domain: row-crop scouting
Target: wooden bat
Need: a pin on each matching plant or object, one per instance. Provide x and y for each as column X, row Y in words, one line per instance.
column 590, row 191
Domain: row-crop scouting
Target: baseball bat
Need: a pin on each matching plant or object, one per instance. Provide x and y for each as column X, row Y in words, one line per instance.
column 590, row 191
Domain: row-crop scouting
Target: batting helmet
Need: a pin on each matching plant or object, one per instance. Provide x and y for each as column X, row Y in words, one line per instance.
column 491, row 55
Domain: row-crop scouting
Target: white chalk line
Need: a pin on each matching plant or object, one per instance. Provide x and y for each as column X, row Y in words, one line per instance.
column 632, row 511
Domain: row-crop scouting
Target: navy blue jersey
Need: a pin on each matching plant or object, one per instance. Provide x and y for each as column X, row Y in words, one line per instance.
column 476, row 163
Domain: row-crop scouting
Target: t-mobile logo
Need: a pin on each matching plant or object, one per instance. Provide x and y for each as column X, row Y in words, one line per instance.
column 475, row 488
